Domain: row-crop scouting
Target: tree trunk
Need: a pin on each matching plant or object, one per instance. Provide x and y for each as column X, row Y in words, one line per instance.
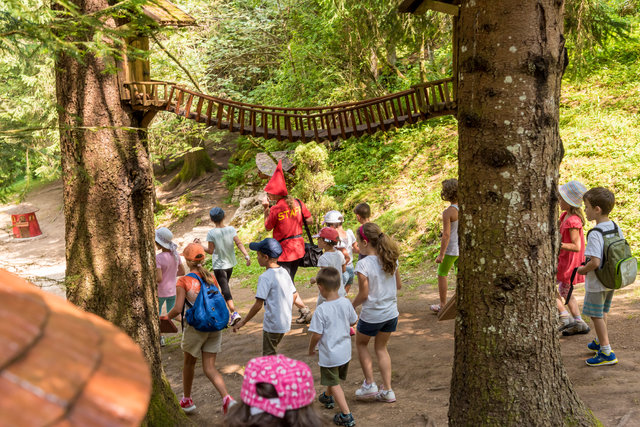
column 196, row 163
column 508, row 367
column 108, row 193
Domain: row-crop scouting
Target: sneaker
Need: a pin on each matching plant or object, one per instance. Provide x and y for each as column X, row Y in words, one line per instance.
column 327, row 401
column 305, row 316
column 565, row 323
column 162, row 342
column 435, row 308
column 602, row 359
column 234, row 318
column 594, row 346
column 227, row 402
column 578, row 327
column 367, row 391
column 344, row 420
column 187, row 405
column 386, row 396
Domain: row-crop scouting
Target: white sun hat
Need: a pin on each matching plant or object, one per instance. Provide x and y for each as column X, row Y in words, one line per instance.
column 164, row 237
column 333, row 217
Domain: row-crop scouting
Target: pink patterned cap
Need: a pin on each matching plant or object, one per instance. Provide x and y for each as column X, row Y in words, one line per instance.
column 291, row 378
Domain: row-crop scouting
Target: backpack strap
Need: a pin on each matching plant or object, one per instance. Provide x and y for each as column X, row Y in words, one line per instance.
column 202, row 283
column 304, row 222
column 614, row 230
column 573, row 278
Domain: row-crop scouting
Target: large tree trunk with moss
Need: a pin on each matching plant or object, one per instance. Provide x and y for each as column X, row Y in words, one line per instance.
column 196, row 163
column 508, row 367
column 108, row 210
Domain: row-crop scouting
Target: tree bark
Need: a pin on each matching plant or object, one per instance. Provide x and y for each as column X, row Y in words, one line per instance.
column 508, row 367
column 196, row 163
column 108, row 207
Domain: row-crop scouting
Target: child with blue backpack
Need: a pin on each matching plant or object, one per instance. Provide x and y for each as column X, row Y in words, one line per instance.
column 196, row 343
column 275, row 293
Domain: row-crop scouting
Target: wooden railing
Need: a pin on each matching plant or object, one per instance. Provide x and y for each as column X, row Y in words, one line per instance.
column 421, row 102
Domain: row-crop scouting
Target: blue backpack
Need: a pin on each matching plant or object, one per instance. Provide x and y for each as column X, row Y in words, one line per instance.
column 209, row 311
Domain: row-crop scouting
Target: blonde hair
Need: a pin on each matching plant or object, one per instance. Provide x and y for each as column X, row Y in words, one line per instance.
column 387, row 248
column 202, row 272
column 577, row 212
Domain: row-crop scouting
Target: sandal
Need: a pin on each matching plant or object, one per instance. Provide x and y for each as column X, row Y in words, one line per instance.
column 435, row 308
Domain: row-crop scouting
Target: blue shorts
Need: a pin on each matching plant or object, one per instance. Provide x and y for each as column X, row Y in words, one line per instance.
column 347, row 276
column 372, row 329
column 597, row 303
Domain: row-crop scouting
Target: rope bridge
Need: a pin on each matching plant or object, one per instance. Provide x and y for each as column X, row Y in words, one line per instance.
column 421, row 102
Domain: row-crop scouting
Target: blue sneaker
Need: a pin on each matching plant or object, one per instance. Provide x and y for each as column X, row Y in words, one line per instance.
column 344, row 420
column 602, row 359
column 327, row 401
column 594, row 346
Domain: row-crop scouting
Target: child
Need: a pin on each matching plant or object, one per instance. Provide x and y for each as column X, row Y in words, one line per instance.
column 327, row 241
column 598, row 202
column 276, row 292
column 378, row 282
column 330, row 330
column 347, row 245
column 363, row 213
column 570, row 256
column 223, row 259
column 194, row 342
column 448, row 256
column 278, row 401
column 168, row 267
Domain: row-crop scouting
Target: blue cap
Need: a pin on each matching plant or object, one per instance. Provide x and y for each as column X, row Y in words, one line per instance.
column 269, row 246
column 216, row 214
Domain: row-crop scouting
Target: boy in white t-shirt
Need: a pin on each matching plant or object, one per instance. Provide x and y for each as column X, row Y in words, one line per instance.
column 598, row 202
column 330, row 332
column 328, row 238
column 275, row 292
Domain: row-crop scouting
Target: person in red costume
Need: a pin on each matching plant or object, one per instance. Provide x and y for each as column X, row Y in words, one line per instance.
column 284, row 215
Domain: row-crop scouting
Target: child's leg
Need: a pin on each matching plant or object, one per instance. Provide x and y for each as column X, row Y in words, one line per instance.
column 209, row 368
column 338, row 394
column 601, row 330
column 188, row 370
column 574, row 309
column 362, row 342
column 442, row 290
column 222, row 277
column 384, row 360
column 270, row 341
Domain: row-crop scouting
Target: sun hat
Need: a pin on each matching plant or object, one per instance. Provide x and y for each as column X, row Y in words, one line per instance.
column 276, row 184
column 291, row 378
column 269, row 246
column 333, row 217
column 216, row 214
column 572, row 193
column 328, row 234
column 193, row 252
column 164, row 237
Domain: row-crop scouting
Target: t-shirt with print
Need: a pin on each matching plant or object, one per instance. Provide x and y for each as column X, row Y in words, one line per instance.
column 595, row 245
column 336, row 260
column 347, row 243
column 168, row 263
column 224, row 254
column 191, row 286
column 286, row 222
column 276, row 289
column 381, row 303
column 332, row 320
column 568, row 260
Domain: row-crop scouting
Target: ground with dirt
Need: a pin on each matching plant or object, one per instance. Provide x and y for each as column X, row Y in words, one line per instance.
column 421, row 349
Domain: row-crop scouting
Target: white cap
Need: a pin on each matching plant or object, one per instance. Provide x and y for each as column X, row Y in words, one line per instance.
column 333, row 217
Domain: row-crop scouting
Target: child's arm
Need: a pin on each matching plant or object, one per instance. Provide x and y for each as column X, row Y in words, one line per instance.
column 315, row 338
column 209, row 248
column 356, row 248
column 255, row 308
column 347, row 258
column 398, row 280
column 180, row 271
column 591, row 265
column 363, row 290
column 240, row 246
column 158, row 275
column 446, row 233
column 181, row 294
column 574, row 246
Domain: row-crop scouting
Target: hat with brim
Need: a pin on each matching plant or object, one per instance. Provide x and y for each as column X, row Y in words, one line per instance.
column 193, row 252
column 333, row 217
column 269, row 246
column 328, row 234
column 164, row 237
column 572, row 193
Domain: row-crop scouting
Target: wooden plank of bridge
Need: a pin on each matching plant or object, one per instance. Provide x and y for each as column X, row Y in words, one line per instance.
column 187, row 108
column 315, row 128
column 179, row 101
column 209, row 111
column 287, row 124
column 395, row 115
column 219, row 116
column 354, row 124
column 199, row 108
column 230, row 117
column 380, row 117
column 265, row 125
column 302, row 131
column 434, row 100
column 342, row 125
column 447, row 96
column 407, row 98
column 252, row 118
column 278, row 131
column 241, row 121
column 368, row 117
column 170, row 97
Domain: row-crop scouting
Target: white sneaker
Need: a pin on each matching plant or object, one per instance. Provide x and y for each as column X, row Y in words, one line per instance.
column 162, row 342
column 386, row 396
column 367, row 391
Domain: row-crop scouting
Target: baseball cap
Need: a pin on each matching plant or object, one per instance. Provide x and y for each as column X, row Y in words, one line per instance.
column 329, row 234
column 193, row 252
column 216, row 214
column 291, row 378
column 572, row 193
column 333, row 217
column 269, row 246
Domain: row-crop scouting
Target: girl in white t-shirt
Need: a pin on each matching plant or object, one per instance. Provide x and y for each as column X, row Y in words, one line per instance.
column 347, row 244
column 378, row 282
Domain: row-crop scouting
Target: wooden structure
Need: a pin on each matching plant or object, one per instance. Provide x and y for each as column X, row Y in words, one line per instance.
column 421, row 102
column 24, row 222
column 61, row 366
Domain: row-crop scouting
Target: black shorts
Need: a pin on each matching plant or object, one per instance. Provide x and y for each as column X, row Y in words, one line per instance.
column 223, row 276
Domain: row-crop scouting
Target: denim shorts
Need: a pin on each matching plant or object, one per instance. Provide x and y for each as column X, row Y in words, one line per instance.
column 372, row 329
